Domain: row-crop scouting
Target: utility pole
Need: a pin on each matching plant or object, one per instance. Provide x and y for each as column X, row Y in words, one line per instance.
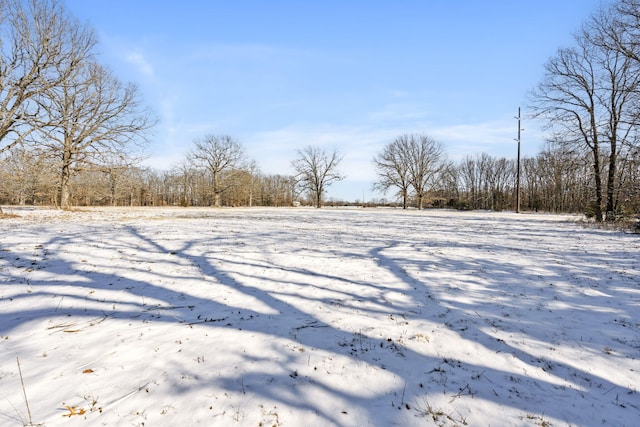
column 518, row 167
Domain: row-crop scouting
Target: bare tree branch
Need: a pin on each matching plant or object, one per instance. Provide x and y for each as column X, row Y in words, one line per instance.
column 43, row 48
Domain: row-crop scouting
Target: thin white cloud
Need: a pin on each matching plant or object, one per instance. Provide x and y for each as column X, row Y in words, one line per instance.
column 479, row 137
column 400, row 112
column 235, row 51
column 496, row 138
column 274, row 149
column 143, row 66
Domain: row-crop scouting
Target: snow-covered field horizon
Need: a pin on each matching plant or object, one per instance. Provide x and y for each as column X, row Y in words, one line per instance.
column 316, row 317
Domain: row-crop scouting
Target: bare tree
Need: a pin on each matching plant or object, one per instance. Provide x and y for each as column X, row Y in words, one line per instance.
column 93, row 117
column 40, row 48
column 567, row 99
column 251, row 174
column 410, row 161
column 392, row 168
column 276, row 190
column 40, row 45
column 501, row 181
column 426, row 160
column 615, row 32
column 449, row 187
column 26, row 177
column 316, row 170
column 630, row 181
column 472, row 171
column 122, row 177
column 218, row 154
column 185, row 173
column 589, row 95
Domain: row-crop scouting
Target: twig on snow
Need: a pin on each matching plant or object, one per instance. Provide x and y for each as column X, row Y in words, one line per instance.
column 24, row 392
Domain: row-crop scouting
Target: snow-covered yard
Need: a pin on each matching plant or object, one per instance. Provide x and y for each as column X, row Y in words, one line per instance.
column 291, row 317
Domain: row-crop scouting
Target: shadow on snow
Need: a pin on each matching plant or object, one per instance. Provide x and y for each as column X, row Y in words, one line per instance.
column 468, row 285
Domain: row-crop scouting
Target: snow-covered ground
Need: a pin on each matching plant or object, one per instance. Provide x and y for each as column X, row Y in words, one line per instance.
column 291, row 317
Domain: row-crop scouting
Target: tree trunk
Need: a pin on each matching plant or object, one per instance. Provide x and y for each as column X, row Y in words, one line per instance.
column 217, row 196
column 112, row 192
column 598, row 185
column 611, row 180
column 65, row 176
column 64, row 191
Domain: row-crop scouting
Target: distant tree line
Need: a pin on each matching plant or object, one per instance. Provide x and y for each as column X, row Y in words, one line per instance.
column 215, row 172
column 71, row 132
column 554, row 180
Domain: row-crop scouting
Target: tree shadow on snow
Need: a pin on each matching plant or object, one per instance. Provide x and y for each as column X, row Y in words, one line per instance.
column 498, row 296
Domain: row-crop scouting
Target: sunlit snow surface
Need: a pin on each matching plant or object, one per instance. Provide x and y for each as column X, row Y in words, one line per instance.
column 292, row 317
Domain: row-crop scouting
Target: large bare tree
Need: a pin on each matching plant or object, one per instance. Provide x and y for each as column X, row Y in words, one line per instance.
column 410, row 161
column 589, row 96
column 219, row 155
column 567, row 99
column 427, row 159
column 92, row 118
column 392, row 168
column 40, row 46
column 315, row 170
column 616, row 31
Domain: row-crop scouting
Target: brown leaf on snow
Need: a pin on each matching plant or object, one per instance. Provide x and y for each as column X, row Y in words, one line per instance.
column 74, row 410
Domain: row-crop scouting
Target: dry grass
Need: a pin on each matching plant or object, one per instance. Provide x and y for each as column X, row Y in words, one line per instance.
column 4, row 215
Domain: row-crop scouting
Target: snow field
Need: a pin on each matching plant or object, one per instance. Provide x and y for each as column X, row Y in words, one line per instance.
column 347, row 317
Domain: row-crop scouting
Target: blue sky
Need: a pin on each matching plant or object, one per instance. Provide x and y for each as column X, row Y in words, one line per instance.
column 280, row 75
